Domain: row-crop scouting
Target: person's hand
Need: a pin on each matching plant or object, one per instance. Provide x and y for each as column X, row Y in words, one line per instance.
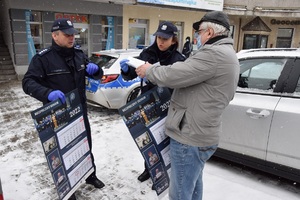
column 124, row 65
column 141, row 70
column 57, row 94
column 91, row 68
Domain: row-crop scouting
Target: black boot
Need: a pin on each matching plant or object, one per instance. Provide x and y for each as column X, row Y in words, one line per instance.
column 153, row 187
column 73, row 197
column 144, row 176
column 93, row 180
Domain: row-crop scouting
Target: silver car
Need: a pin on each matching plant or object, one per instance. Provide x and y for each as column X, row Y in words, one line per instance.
column 112, row 91
column 260, row 125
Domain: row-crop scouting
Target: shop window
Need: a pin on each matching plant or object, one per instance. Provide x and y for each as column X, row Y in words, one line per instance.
column 252, row 41
column 284, row 37
column 107, row 32
column 231, row 31
column 81, row 39
column 138, row 29
column 36, row 29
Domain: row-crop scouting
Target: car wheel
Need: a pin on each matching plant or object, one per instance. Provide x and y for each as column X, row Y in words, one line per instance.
column 134, row 94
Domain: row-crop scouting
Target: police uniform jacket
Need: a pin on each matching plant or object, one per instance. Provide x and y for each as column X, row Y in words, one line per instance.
column 152, row 54
column 57, row 68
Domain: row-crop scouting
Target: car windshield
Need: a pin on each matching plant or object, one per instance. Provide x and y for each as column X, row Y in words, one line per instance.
column 103, row 61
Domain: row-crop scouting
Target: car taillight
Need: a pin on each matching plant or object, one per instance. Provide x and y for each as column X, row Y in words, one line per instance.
column 109, row 78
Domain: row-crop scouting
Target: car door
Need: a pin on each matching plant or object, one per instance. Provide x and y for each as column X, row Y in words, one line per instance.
column 247, row 120
column 283, row 147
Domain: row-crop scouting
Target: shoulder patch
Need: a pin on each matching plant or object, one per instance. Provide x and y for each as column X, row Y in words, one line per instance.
column 44, row 51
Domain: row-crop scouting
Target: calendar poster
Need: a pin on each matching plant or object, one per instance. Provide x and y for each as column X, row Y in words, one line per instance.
column 145, row 119
column 64, row 139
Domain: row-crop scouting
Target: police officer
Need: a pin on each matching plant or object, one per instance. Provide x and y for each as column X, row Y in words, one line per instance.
column 59, row 69
column 164, row 51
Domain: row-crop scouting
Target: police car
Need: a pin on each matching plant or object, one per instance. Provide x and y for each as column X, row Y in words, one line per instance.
column 112, row 91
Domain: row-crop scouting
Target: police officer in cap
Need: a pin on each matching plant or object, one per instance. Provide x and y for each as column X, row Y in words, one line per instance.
column 163, row 50
column 59, row 69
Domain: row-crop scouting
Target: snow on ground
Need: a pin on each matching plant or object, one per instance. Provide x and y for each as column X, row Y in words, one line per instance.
column 25, row 175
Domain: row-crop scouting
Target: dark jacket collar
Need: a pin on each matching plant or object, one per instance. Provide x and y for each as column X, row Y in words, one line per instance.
column 215, row 39
column 62, row 51
column 160, row 56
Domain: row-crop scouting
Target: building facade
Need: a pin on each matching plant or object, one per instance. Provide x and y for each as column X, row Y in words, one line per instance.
column 253, row 24
column 129, row 24
column 27, row 31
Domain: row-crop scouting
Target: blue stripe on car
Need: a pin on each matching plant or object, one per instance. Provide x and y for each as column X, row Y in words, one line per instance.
column 118, row 83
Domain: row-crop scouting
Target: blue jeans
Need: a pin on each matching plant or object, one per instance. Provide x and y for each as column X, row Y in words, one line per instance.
column 187, row 163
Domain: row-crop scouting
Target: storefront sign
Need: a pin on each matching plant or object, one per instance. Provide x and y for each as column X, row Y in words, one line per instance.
column 197, row 4
column 285, row 22
column 75, row 18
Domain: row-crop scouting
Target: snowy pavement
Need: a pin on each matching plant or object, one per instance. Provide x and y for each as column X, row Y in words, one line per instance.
column 25, row 175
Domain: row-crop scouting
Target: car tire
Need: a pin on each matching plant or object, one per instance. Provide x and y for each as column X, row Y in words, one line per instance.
column 134, row 94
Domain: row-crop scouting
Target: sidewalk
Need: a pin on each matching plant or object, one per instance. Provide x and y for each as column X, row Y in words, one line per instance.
column 25, row 174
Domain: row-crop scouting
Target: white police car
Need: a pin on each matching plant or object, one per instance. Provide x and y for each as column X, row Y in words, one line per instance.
column 112, row 91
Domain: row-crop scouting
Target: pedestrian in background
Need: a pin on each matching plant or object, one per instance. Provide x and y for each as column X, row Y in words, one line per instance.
column 164, row 51
column 203, row 86
column 59, row 69
column 187, row 47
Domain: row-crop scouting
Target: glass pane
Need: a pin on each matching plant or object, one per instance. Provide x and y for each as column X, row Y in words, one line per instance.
column 36, row 29
column 298, row 87
column 81, row 40
column 36, row 33
column 250, row 42
column 284, row 37
column 285, row 32
column 103, row 61
column 107, row 32
column 231, row 31
column 260, row 73
column 283, row 43
column 35, row 16
column 263, row 43
column 136, row 37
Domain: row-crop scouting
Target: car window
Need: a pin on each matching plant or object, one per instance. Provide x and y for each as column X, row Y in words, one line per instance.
column 103, row 61
column 260, row 73
column 298, row 87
